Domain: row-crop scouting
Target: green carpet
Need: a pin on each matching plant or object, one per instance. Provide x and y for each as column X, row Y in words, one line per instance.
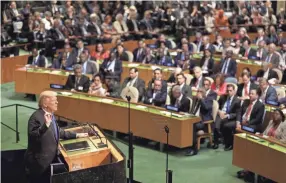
column 208, row 166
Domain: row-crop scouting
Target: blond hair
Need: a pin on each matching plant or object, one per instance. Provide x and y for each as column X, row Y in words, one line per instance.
column 44, row 96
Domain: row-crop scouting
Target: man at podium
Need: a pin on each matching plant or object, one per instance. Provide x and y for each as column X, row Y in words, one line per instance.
column 43, row 138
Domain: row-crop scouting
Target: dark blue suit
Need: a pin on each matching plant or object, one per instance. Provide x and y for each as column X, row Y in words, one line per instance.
column 271, row 95
column 165, row 61
column 231, row 69
column 159, row 100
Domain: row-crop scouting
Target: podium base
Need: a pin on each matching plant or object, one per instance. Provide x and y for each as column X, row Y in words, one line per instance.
column 134, row 181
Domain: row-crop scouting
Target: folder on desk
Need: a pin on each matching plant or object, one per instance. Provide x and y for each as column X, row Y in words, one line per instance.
column 76, row 146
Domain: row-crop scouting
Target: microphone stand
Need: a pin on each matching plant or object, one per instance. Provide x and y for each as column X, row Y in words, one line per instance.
column 168, row 172
column 130, row 162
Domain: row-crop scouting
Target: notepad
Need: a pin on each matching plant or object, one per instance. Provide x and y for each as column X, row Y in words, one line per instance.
column 133, row 65
column 107, row 101
column 141, row 107
column 66, row 93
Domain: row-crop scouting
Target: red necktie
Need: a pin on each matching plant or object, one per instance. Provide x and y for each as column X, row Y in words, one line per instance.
column 246, row 53
column 249, row 109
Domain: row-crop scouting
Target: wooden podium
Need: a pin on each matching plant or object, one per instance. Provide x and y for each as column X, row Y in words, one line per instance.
column 102, row 161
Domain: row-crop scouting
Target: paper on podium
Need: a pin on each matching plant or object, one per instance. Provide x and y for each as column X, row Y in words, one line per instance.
column 109, row 101
column 133, row 65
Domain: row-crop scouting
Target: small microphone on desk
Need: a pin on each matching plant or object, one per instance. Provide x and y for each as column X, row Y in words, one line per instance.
column 128, row 98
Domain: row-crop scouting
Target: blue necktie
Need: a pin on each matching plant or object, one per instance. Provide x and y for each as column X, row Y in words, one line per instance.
column 227, row 105
column 55, row 128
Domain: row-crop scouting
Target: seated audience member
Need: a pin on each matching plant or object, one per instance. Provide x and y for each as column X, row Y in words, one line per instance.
column 218, row 42
column 120, row 26
column 228, row 65
column 197, row 81
column 179, row 100
column 66, row 53
column 60, row 63
column 96, row 87
column 140, row 52
column 113, row 88
column 207, row 44
column 157, row 75
column 94, row 28
column 121, row 53
column 100, row 53
column 147, row 25
column 228, row 115
column 164, row 59
column 275, row 129
column 202, row 107
column 226, row 46
column 267, row 72
column 207, row 62
column 210, row 94
column 249, row 52
column 261, row 37
column 238, row 49
column 243, row 89
column 185, row 89
column 173, row 77
column 135, row 81
column 133, row 23
column 261, row 52
column 162, row 39
column 273, row 57
column 78, row 81
column 268, row 93
column 183, row 41
column 273, row 36
column 88, row 66
column 242, row 35
column 36, row 59
column 252, row 112
column 283, row 50
column 198, row 41
column 75, row 54
column 277, row 126
column 149, row 57
column 183, row 57
column 156, row 96
column 111, row 66
column 108, row 29
column 219, row 86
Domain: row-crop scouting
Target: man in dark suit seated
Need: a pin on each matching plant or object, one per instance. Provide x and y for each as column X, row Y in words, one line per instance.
column 268, row 93
column 266, row 72
column 36, row 59
column 202, row 106
column 229, row 113
column 243, row 89
column 261, row 37
column 135, row 81
column 111, row 66
column 157, row 75
column 207, row 45
column 183, row 56
column 249, row 53
column 185, row 89
column 66, row 53
column 173, row 77
column 273, row 57
column 78, row 81
column 228, row 65
column 197, row 81
column 179, row 100
column 75, row 54
column 210, row 94
column 113, row 86
column 156, row 96
column 164, row 59
column 88, row 66
column 261, row 52
column 140, row 52
column 161, row 39
column 43, row 138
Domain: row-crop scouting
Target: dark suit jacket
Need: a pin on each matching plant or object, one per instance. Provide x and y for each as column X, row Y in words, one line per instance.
column 234, row 110
column 210, row 64
column 251, row 53
column 141, row 56
column 83, row 82
column 271, row 95
column 275, row 60
column 159, row 100
column 167, row 43
column 187, row 90
column 72, row 60
column 117, row 68
column 211, row 95
column 241, row 86
column 205, row 106
column 114, row 89
column 210, row 47
column 40, row 62
column 256, row 116
column 42, row 143
column 194, row 81
column 231, row 71
column 271, row 74
column 265, row 38
column 184, row 105
column 167, row 62
column 151, row 83
column 123, row 56
column 139, row 84
column 131, row 26
column 92, row 29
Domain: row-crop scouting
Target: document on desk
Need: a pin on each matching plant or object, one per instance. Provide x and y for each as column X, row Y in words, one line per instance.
column 109, row 101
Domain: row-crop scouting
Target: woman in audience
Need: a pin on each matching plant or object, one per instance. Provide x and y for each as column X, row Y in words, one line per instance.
column 238, row 49
column 108, row 29
column 149, row 57
column 207, row 62
column 273, row 37
column 219, row 86
column 242, row 35
column 256, row 18
column 96, row 87
column 100, row 53
column 120, row 53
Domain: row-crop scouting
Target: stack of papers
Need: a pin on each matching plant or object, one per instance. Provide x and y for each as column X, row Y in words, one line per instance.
column 141, row 107
column 153, row 67
column 133, row 65
column 55, row 72
column 66, row 93
column 107, row 101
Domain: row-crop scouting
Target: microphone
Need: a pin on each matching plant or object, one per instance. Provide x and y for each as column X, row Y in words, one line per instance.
column 100, row 144
column 128, row 98
column 166, row 129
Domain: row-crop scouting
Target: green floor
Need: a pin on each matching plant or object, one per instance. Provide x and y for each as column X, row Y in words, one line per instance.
column 209, row 166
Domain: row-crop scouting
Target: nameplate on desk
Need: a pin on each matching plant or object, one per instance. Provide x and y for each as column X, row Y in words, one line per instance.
column 77, row 166
column 172, row 108
column 56, row 86
column 248, row 129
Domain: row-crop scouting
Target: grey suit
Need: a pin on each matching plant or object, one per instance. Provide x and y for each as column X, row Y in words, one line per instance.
column 90, row 68
column 274, row 60
column 187, row 90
